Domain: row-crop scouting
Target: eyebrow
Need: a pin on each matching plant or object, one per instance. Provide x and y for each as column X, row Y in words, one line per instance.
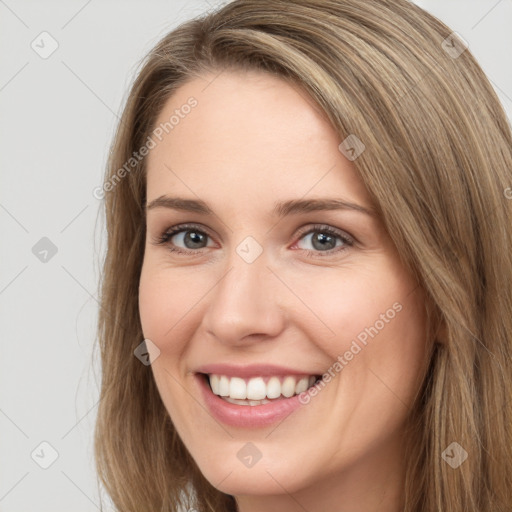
column 281, row 209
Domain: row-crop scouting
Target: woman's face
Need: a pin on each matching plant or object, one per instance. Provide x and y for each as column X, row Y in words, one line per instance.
column 280, row 274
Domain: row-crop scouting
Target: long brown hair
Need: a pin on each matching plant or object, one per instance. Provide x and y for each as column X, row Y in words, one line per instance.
column 438, row 165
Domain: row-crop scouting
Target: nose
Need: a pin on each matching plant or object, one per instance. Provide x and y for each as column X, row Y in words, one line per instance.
column 244, row 306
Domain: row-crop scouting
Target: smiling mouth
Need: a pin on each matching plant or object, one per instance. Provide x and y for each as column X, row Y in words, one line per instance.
column 258, row 390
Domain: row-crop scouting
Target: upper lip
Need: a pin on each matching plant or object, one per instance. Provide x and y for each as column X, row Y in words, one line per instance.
column 248, row 371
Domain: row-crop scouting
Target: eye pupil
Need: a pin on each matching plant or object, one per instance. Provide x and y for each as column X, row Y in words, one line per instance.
column 193, row 239
column 322, row 241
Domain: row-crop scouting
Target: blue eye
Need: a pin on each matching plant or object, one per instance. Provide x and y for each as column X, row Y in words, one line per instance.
column 186, row 235
column 189, row 239
column 192, row 239
column 326, row 240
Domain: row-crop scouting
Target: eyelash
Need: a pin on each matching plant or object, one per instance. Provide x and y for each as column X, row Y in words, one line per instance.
column 165, row 237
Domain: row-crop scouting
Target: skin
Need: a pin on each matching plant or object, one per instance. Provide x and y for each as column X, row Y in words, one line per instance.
column 251, row 141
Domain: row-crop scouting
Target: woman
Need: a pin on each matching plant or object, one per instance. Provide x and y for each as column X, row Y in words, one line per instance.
column 309, row 225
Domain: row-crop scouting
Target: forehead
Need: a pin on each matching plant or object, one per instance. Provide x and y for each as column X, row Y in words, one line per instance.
column 250, row 133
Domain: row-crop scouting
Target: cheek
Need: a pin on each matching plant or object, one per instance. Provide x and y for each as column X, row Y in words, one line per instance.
column 165, row 307
column 349, row 305
column 373, row 326
column 164, row 302
column 385, row 352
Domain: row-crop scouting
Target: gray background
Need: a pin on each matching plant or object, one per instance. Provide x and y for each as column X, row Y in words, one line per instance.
column 58, row 118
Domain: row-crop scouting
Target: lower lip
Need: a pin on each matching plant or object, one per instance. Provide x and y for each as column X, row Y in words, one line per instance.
column 246, row 416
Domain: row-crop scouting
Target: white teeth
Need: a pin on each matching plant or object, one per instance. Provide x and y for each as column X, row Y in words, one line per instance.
column 246, row 402
column 237, row 388
column 288, row 387
column 223, row 386
column 214, row 383
column 302, row 385
column 273, row 388
column 255, row 391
